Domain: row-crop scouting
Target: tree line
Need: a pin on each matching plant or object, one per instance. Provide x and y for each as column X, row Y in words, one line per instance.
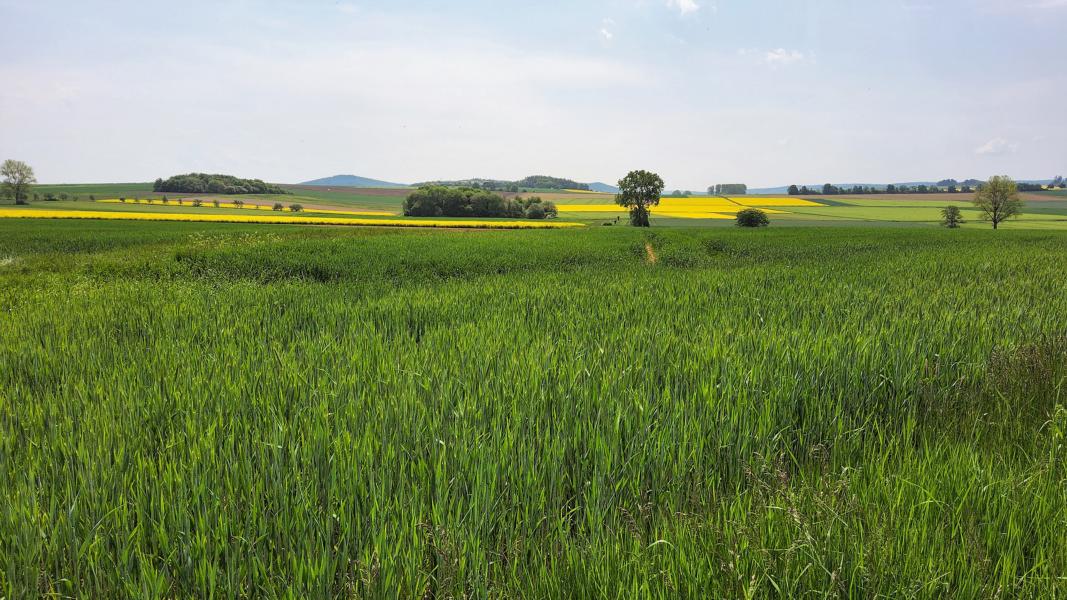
column 728, row 189
column 442, row 201
column 945, row 186
column 202, row 183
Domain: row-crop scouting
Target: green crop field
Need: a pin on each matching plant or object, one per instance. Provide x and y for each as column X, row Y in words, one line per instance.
column 193, row 410
column 1045, row 210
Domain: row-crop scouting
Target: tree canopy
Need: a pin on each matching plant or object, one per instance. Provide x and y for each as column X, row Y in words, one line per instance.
column 728, row 189
column 441, row 201
column 638, row 191
column 17, row 179
column 998, row 199
column 202, row 183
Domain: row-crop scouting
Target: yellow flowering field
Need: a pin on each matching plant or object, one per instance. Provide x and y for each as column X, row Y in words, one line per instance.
column 277, row 219
column 702, row 207
column 694, row 215
column 783, row 202
column 250, row 206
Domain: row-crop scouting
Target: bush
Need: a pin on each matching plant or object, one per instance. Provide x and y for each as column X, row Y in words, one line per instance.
column 752, row 217
column 215, row 202
column 278, row 206
column 296, row 207
column 535, row 211
column 197, row 202
column 951, row 217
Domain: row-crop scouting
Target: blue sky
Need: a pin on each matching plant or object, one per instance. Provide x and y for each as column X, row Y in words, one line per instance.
column 757, row 91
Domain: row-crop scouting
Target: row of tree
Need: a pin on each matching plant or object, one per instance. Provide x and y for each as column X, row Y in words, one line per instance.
column 442, row 201
column 202, row 183
column 946, row 186
column 728, row 189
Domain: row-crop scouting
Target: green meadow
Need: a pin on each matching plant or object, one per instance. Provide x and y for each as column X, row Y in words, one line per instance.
column 216, row 411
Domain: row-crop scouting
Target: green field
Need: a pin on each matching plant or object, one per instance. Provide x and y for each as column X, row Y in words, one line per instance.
column 1045, row 210
column 195, row 410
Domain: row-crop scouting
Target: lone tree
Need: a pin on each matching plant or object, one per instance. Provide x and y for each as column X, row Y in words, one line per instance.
column 752, row 217
column 998, row 199
column 638, row 191
column 951, row 217
column 18, row 177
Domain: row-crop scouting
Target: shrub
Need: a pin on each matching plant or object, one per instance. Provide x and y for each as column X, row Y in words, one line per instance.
column 278, row 206
column 295, row 208
column 535, row 211
column 752, row 217
column 238, row 203
column 197, row 202
column 165, row 200
column 215, row 202
column 50, row 197
column 122, row 200
column 951, row 217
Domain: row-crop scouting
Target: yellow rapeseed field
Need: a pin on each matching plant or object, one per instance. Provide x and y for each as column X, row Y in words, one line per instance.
column 612, row 208
column 693, row 215
column 783, row 202
column 696, row 207
column 250, row 206
column 277, row 219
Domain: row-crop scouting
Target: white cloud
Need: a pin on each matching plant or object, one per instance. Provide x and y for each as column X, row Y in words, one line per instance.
column 997, row 146
column 606, row 32
column 782, row 57
column 684, row 7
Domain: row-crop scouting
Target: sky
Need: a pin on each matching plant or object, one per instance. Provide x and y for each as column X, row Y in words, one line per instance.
column 763, row 92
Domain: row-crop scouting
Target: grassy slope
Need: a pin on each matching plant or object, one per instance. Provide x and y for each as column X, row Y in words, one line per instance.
column 189, row 409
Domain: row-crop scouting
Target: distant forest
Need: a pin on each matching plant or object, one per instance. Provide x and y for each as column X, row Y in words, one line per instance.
column 540, row 182
column 202, row 183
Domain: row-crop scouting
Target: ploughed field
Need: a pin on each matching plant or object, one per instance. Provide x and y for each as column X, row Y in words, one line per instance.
column 223, row 410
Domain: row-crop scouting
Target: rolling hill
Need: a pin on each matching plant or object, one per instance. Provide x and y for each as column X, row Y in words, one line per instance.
column 353, row 181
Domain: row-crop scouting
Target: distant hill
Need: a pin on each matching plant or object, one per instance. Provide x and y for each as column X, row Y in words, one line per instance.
column 532, row 182
column 353, row 181
column 597, row 186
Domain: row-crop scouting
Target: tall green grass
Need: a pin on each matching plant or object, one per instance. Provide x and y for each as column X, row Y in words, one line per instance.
column 229, row 411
